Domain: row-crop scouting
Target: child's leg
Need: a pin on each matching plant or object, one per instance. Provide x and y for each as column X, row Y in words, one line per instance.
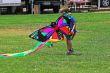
column 69, row 45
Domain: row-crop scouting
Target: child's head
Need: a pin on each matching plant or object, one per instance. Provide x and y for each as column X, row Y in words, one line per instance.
column 64, row 10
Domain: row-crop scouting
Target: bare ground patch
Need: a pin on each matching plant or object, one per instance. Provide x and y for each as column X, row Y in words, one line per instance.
column 18, row 31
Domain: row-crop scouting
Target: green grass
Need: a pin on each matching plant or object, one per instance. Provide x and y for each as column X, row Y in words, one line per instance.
column 92, row 41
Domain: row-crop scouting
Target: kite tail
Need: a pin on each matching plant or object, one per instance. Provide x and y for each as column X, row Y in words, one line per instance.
column 37, row 47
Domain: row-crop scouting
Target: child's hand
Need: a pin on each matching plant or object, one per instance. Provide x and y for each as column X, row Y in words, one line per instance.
column 71, row 32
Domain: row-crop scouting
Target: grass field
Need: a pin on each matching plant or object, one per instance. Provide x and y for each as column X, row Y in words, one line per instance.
column 92, row 41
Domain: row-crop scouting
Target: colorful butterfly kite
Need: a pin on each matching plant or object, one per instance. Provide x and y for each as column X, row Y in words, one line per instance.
column 55, row 30
column 51, row 33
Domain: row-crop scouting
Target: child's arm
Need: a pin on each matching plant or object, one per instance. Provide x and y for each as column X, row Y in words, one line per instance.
column 74, row 26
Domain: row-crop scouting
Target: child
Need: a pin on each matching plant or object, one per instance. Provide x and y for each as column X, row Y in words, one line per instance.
column 72, row 26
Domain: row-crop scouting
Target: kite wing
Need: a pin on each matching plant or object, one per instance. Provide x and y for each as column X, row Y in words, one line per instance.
column 62, row 23
column 42, row 34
